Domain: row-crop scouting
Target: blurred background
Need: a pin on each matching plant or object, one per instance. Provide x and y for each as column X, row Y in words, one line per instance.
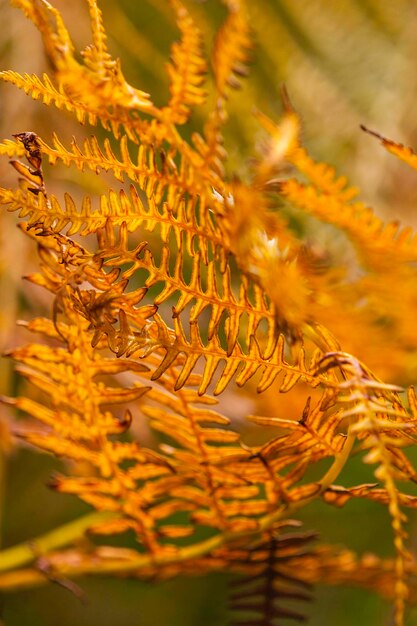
column 344, row 63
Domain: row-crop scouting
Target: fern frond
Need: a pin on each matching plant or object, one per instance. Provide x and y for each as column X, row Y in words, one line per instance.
column 206, row 300
column 269, row 364
column 201, row 437
column 404, row 153
column 77, row 426
column 97, row 56
column 142, row 170
column 123, row 210
column 127, row 480
column 244, row 237
column 43, row 89
column 269, row 361
column 314, row 435
column 186, row 70
column 175, row 347
column 98, row 82
column 12, row 148
column 50, row 214
column 329, row 197
column 375, row 239
column 379, row 420
column 207, row 288
column 231, row 47
column 229, row 58
column 237, row 228
column 173, row 484
column 322, row 175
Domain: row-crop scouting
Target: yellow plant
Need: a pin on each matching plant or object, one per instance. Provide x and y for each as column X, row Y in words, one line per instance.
column 194, row 283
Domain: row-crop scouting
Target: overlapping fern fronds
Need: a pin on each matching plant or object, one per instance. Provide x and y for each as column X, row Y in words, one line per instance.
column 179, row 283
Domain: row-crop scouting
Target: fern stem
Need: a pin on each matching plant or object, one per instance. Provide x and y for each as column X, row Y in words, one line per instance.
column 27, row 551
column 31, row 577
column 338, row 464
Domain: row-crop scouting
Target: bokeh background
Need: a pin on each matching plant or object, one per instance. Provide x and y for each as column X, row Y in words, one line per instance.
column 344, row 63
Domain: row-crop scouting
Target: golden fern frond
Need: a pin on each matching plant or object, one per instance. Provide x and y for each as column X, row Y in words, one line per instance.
column 231, row 47
column 329, row 198
column 78, row 427
column 115, row 210
column 97, row 56
column 132, row 339
column 186, row 70
column 12, row 148
column 136, row 484
column 260, row 349
column 214, row 297
column 321, row 175
column 228, row 60
column 216, row 492
column 158, row 184
column 224, row 290
column 174, row 347
column 43, row 89
column 379, row 420
column 237, row 485
column 226, row 481
column 316, row 433
column 404, row 153
column 193, row 478
column 269, row 364
column 373, row 237
column 49, row 213
column 99, row 82
column 237, row 228
column 144, row 169
column 123, row 210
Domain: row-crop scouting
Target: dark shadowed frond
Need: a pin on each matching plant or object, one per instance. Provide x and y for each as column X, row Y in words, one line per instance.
column 273, row 592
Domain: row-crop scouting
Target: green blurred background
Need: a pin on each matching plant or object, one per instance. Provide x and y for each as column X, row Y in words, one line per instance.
column 344, row 63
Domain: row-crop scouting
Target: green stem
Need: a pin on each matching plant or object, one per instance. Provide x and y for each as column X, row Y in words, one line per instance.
column 339, row 463
column 64, row 535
